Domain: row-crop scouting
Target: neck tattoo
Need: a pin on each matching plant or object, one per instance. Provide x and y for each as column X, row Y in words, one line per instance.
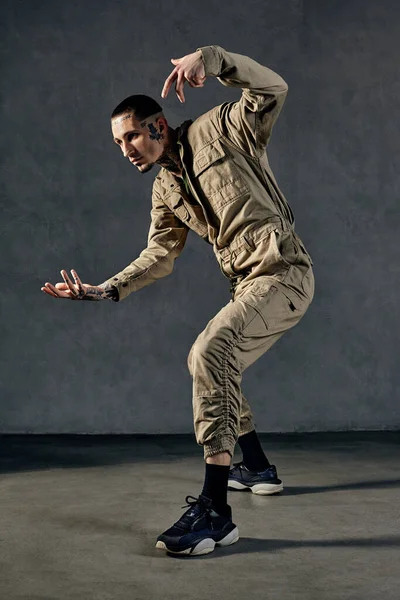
column 171, row 160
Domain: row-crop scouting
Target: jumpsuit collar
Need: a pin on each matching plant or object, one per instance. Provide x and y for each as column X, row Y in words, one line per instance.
column 182, row 130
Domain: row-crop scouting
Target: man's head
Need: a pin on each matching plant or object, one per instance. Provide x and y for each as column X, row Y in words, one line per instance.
column 140, row 130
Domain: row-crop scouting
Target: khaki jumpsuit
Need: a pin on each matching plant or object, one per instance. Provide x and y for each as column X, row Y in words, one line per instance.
column 230, row 198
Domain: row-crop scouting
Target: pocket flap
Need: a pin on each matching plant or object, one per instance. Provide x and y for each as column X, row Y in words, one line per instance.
column 207, row 156
column 182, row 212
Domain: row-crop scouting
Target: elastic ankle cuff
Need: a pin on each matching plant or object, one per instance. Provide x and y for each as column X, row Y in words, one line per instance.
column 218, row 445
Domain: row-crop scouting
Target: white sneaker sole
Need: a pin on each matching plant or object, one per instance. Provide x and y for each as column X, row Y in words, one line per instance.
column 205, row 546
column 261, row 489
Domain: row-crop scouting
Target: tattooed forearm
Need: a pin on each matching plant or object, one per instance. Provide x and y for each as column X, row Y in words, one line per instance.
column 96, row 293
column 92, row 294
column 110, row 291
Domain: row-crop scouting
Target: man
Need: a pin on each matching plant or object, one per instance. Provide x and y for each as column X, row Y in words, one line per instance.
column 215, row 179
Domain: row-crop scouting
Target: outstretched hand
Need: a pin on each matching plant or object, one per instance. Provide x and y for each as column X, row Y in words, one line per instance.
column 73, row 291
column 189, row 68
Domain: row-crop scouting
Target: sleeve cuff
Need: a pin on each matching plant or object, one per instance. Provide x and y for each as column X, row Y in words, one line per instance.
column 111, row 291
column 212, row 60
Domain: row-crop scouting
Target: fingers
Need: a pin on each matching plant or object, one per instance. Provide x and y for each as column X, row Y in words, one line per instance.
column 189, row 68
column 78, row 282
column 67, row 289
column 48, row 291
column 195, row 83
column 179, row 87
column 168, row 82
column 68, row 282
column 53, row 291
column 72, row 288
column 180, row 80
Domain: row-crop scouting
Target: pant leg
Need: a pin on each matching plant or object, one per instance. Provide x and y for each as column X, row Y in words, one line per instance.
column 234, row 339
column 246, row 423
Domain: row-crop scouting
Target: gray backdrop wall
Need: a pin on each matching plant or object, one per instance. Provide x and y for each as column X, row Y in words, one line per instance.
column 69, row 200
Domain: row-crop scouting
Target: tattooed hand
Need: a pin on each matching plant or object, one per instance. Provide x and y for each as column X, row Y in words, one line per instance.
column 190, row 68
column 74, row 291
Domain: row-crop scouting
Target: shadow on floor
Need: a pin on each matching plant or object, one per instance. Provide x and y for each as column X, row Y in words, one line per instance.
column 248, row 545
column 38, row 451
column 320, row 489
column 359, row 485
column 20, row 453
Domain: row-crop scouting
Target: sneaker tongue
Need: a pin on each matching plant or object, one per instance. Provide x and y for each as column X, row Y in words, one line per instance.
column 187, row 519
column 192, row 512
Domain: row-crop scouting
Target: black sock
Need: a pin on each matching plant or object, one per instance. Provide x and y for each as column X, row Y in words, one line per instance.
column 216, row 486
column 253, row 454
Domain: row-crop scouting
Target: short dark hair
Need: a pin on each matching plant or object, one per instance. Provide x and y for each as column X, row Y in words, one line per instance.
column 142, row 106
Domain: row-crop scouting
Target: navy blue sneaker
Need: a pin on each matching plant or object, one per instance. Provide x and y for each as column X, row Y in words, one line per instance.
column 263, row 483
column 199, row 529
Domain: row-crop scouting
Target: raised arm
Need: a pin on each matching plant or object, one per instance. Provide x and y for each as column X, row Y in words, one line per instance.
column 247, row 123
column 166, row 239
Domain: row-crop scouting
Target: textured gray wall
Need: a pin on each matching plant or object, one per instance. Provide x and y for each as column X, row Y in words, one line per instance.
column 70, row 201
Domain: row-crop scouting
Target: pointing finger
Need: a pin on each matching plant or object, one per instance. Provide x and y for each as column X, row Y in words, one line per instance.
column 179, row 87
column 168, row 82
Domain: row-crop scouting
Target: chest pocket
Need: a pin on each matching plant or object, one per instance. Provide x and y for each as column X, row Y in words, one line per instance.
column 217, row 176
column 191, row 215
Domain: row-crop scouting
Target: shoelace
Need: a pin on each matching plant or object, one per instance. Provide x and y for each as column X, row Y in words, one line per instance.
column 239, row 464
column 201, row 500
column 188, row 503
column 198, row 503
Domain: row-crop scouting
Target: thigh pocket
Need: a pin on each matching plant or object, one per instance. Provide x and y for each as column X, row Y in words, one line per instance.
column 308, row 284
column 275, row 306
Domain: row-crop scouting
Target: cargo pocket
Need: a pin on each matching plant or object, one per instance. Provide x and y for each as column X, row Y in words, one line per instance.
column 278, row 308
column 283, row 248
column 258, row 296
column 308, row 284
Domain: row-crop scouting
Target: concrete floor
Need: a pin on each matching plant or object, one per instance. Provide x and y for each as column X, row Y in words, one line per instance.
column 79, row 516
